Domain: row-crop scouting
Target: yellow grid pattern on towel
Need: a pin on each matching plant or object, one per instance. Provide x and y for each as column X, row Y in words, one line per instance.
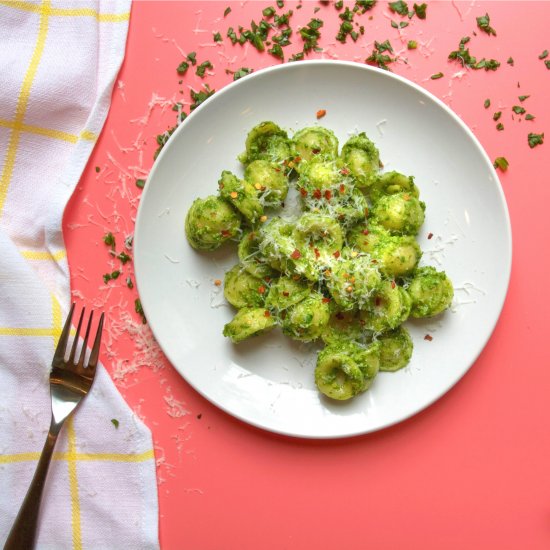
column 18, row 128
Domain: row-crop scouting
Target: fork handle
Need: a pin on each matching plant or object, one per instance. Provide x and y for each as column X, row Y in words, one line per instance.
column 23, row 532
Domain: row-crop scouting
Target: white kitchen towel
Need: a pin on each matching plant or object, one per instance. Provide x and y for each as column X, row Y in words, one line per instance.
column 58, row 63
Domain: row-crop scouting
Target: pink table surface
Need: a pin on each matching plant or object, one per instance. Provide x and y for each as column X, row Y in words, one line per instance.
column 471, row 471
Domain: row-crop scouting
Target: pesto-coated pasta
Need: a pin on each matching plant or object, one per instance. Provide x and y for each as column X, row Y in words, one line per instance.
column 327, row 251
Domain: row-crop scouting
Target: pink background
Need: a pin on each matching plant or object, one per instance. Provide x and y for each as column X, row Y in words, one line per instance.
column 471, row 471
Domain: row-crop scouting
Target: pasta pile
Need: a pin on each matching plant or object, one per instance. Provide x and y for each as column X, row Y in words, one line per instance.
column 346, row 270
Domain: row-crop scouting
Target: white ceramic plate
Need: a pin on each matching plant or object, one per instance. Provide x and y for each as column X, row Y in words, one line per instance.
column 268, row 381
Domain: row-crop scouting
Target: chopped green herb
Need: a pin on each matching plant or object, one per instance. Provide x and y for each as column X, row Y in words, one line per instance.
column 201, row 69
column 310, row 34
column 463, row 55
column 115, row 422
column 547, row 63
column 518, row 109
column 182, row 67
column 129, row 282
column 361, row 6
column 115, row 274
column 523, row 97
column 280, row 4
column 268, row 12
column 243, row 71
column 97, row 169
column 339, row 4
column 139, row 310
column 544, row 54
column 124, row 258
column 111, row 276
column 346, row 27
column 437, row 76
column 497, row 115
column 140, row 183
column 501, row 163
column 378, row 57
column 510, row 61
column 484, row 23
column 217, row 37
column 394, row 24
column 109, row 240
column 403, row 24
column 487, row 103
column 192, row 58
column 399, row 7
column 535, row 139
column 500, row 126
column 276, row 51
column 529, row 116
column 129, row 241
column 297, row 56
column 227, row 11
column 420, row 10
column 200, row 96
column 412, row 44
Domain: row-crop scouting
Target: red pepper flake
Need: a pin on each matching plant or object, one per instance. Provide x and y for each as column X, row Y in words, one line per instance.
column 317, row 253
column 326, row 300
column 374, row 261
column 296, row 254
column 362, row 322
column 303, row 192
column 321, row 113
column 316, row 151
column 297, row 159
column 378, row 301
column 342, row 188
column 277, row 169
column 317, row 193
column 267, row 279
column 428, row 337
column 366, row 212
column 337, row 254
column 266, row 313
column 366, row 231
column 344, row 172
column 233, row 194
column 225, row 233
column 393, row 284
column 430, row 235
column 328, row 194
column 217, row 282
column 261, row 289
column 286, row 294
column 407, row 197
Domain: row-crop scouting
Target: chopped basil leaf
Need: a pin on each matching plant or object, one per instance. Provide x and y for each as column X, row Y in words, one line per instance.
column 487, row 103
column 192, row 57
column 500, row 126
column 227, row 11
column 518, row 109
column 97, row 169
column 124, row 258
column 463, row 55
column 403, row 24
column 420, row 10
column 510, row 61
column 243, row 71
column 535, row 139
column 529, row 116
column 217, row 37
column 394, row 24
column 544, row 54
column 140, row 183
column 547, row 63
column 201, row 69
column 339, row 5
column 115, row 422
column 399, row 7
column 280, row 4
column 412, row 45
column 109, row 239
column 501, row 163
column 182, row 67
column 200, row 96
column 523, row 97
column 139, row 310
column 129, row 282
column 268, row 12
column 310, row 34
column 497, row 115
column 436, row 76
column 483, row 23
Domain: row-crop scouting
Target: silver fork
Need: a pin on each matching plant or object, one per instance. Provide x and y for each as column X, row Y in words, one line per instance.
column 69, row 384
